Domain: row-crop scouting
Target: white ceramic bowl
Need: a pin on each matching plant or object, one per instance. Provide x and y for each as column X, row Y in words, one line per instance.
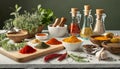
column 72, row 46
column 37, row 36
column 57, row 31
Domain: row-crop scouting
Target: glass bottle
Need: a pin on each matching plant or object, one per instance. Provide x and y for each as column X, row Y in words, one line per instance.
column 86, row 31
column 74, row 28
column 100, row 19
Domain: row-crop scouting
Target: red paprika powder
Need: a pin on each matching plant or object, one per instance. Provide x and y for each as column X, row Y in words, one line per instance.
column 41, row 34
column 53, row 41
column 27, row 50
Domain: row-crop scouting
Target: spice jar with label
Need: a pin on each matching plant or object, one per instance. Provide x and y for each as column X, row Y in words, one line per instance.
column 100, row 19
column 74, row 28
column 86, row 31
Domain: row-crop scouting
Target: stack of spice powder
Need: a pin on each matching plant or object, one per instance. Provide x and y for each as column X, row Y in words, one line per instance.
column 53, row 41
column 27, row 50
column 71, row 39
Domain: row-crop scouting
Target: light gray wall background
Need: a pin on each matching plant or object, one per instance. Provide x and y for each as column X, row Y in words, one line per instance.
column 62, row 8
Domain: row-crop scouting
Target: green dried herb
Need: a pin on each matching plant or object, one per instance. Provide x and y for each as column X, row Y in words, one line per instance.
column 42, row 46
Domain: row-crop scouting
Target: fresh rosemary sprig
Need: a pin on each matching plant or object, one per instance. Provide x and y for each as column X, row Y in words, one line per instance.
column 77, row 58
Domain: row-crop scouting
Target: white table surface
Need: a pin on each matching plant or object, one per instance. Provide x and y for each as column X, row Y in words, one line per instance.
column 6, row 62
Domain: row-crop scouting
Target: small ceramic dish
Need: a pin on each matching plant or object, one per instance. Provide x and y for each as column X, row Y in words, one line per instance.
column 72, row 46
column 90, row 48
column 41, row 36
column 17, row 36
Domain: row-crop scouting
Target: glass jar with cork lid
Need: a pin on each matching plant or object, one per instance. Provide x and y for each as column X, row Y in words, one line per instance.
column 100, row 19
column 86, row 31
column 74, row 28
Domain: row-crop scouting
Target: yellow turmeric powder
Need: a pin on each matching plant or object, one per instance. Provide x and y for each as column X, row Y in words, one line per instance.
column 72, row 39
column 101, row 38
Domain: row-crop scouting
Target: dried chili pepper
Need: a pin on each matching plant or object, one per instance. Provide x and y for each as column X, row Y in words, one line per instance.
column 63, row 56
column 51, row 56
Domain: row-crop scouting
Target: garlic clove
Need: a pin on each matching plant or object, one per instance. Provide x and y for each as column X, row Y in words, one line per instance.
column 104, row 55
column 98, row 54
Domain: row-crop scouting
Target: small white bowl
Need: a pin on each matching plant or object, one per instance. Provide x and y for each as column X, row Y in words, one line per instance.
column 72, row 46
column 40, row 37
column 57, row 31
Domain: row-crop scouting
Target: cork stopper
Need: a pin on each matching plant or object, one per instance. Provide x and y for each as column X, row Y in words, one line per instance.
column 99, row 11
column 86, row 9
column 74, row 11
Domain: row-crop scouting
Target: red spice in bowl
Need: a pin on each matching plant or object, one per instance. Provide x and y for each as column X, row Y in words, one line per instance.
column 41, row 36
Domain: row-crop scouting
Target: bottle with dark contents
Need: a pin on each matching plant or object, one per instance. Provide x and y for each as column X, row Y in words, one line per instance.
column 100, row 18
column 74, row 28
column 86, row 30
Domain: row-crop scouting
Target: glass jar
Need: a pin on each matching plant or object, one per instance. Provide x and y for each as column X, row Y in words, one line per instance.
column 74, row 28
column 86, row 30
column 100, row 19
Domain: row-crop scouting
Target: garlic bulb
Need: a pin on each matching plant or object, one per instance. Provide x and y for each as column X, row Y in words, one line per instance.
column 102, row 54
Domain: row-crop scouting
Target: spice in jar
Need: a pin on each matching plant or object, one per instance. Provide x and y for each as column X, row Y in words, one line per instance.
column 72, row 39
column 74, row 28
column 27, row 50
column 53, row 41
column 86, row 32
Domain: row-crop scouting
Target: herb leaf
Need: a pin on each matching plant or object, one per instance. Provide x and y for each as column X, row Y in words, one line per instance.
column 11, row 47
column 77, row 58
column 30, row 21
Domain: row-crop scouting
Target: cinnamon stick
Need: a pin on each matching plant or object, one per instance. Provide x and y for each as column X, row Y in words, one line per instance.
column 57, row 21
column 62, row 22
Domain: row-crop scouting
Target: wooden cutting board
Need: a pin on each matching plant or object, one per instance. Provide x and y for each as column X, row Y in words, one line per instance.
column 15, row 55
